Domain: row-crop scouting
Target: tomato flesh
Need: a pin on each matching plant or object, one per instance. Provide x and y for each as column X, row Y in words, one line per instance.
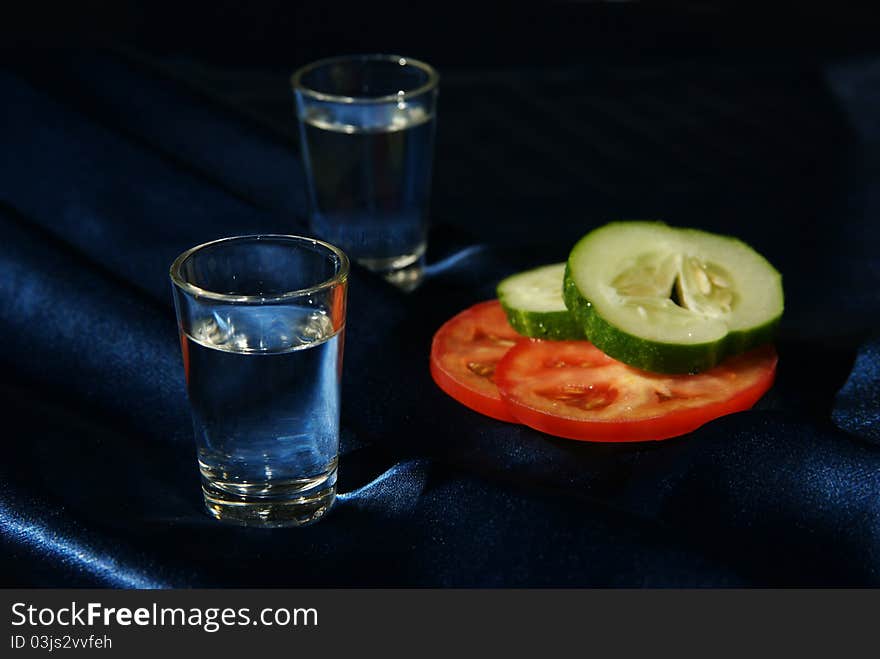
column 571, row 389
column 465, row 352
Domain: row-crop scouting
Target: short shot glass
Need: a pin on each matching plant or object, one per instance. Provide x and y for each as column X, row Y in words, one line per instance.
column 367, row 125
column 261, row 321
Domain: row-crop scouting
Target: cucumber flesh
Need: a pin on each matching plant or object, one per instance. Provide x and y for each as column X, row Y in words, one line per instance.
column 534, row 306
column 671, row 300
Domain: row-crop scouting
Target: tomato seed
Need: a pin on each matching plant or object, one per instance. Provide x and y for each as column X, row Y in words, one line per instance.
column 585, row 398
column 481, row 369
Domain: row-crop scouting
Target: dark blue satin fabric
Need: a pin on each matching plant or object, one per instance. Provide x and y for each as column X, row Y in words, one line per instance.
column 110, row 167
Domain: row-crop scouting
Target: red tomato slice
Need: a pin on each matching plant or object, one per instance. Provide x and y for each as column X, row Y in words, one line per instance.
column 465, row 352
column 571, row 389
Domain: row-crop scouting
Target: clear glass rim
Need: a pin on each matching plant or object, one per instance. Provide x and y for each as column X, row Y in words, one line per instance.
column 175, row 271
column 431, row 83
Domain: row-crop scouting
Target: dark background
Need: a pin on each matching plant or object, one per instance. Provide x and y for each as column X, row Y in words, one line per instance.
column 650, row 91
column 282, row 34
column 134, row 130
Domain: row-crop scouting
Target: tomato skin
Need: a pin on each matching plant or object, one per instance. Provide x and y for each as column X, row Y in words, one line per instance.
column 491, row 407
column 571, row 389
column 749, row 375
column 460, row 338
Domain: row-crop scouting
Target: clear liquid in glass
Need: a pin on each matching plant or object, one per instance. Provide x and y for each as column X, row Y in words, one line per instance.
column 369, row 169
column 263, row 383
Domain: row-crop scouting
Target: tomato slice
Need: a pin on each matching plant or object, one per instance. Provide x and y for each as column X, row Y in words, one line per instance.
column 465, row 352
column 572, row 389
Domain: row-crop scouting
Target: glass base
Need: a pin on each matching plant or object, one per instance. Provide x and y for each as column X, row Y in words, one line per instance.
column 406, row 272
column 277, row 505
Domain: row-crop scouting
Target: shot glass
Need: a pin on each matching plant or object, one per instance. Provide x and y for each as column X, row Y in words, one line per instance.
column 261, row 321
column 367, row 134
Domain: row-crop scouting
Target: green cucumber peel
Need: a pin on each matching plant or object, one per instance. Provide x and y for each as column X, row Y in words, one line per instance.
column 534, row 306
column 671, row 300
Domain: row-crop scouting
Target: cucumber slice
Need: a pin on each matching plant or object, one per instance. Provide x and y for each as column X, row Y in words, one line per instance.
column 671, row 300
column 534, row 306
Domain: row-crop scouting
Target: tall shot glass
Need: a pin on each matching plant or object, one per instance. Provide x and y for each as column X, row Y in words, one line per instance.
column 261, row 321
column 367, row 134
